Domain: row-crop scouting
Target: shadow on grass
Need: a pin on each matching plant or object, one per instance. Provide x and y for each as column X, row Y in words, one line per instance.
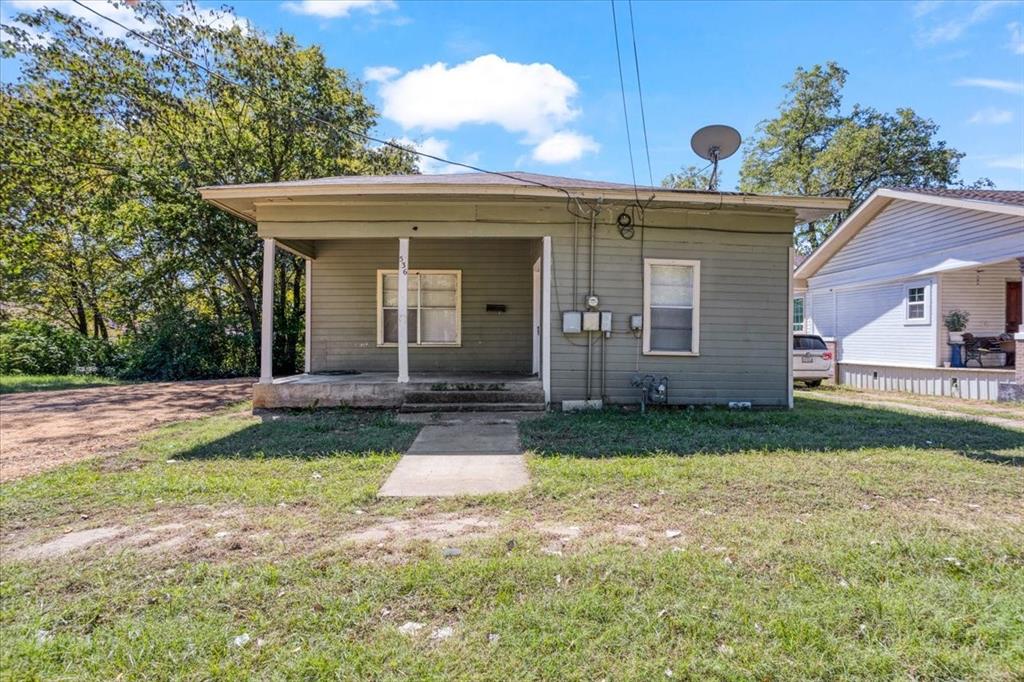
column 812, row 426
column 311, row 435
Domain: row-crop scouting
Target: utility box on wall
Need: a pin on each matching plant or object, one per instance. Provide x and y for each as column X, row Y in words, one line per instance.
column 591, row 321
column 572, row 322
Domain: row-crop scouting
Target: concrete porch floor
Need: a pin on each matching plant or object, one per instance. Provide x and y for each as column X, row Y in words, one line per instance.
column 371, row 389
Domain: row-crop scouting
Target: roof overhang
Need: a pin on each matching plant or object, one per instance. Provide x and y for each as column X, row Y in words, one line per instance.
column 241, row 200
column 874, row 205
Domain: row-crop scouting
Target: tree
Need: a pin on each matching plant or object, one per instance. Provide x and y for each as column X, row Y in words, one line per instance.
column 813, row 148
column 135, row 131
column 688, row 177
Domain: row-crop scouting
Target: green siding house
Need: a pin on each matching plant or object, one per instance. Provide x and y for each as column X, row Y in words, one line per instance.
column 556, row 291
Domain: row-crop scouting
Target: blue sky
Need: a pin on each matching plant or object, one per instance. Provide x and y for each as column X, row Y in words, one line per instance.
column 535, row 86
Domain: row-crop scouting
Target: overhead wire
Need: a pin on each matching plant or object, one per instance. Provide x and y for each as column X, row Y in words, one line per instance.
column 570, row 197
column 640, row 93
column 625, row 108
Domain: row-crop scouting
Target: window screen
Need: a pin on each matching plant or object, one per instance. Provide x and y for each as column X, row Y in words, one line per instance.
column 672, row 291
column 433, row 308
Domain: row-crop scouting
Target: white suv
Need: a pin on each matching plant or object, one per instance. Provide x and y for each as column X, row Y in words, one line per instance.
column 812, row 360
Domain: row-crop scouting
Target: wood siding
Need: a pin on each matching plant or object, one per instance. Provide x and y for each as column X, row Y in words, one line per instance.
column 908, row 239
column 744, row 335
column 973, row 384
column 344, row 319
column 745, row 329
column 873, row 326
column 982, row 293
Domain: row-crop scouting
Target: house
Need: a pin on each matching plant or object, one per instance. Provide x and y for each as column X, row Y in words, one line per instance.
column 880, row 286
column 537, row 289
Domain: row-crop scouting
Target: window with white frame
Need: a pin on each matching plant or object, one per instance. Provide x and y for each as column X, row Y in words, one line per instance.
column 798, row 314
column 671, row 307
column 435, row 307
column 917, row 310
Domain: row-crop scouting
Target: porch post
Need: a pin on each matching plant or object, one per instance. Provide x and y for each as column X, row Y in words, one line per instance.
column 267, row 321
column 545, row 316
column 403, row 310
column 308, row 316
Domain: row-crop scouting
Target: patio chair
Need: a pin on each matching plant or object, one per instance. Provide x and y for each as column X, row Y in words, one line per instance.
column 973, row 350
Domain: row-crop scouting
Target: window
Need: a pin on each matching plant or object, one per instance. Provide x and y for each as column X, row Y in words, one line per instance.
column 916, row 297
column 671, row 307
column 809, row 343
column 798, row 314
column 435, row 307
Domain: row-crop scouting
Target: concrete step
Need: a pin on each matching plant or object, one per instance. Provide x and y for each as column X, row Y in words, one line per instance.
column 510, row 396
column 409, row 408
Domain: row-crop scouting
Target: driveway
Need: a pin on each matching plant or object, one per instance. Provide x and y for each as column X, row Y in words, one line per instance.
column 43, row 430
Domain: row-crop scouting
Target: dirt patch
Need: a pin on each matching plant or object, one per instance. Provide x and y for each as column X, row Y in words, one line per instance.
column 430, row 529
column 69, row 542
column 47, row 429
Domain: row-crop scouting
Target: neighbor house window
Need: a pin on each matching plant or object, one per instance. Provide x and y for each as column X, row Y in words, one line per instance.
column 671, row 307
column 798, row 314
column 435, row 307
column 916, row 297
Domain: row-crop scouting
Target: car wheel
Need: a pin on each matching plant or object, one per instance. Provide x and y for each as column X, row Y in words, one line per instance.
column 813, row 384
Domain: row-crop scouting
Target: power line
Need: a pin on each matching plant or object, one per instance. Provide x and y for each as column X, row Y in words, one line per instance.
column 336, row 128
column 640, row 92
column 625, row 109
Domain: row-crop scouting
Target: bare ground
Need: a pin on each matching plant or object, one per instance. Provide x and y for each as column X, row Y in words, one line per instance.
column 46, row 429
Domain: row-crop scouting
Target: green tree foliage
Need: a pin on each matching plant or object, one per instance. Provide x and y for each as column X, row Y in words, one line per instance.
column 106, row 142
column 813, row 147
column 688, row 177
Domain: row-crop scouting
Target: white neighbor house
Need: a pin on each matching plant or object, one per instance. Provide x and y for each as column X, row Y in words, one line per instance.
column 881, row 284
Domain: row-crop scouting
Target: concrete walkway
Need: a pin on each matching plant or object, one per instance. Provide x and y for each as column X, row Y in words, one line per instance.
column 460, row 459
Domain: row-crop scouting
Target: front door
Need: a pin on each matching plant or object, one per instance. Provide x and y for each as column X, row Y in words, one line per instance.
column 1013, row 307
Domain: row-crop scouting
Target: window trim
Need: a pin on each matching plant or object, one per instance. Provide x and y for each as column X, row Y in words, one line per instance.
column 695, row 318
column 926, row 320
column 803, row 314
column 415, row 344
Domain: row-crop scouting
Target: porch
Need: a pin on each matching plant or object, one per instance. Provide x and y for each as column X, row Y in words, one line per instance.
column 411, row 323
column 990, row 293
column 455, row 391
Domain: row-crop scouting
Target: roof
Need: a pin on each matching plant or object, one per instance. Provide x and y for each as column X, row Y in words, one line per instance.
column 1006, row 202
column 997, row 196
column 240, row 199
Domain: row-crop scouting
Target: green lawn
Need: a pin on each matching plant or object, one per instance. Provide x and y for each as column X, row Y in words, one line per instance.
column 22, row 383
column 828, row 543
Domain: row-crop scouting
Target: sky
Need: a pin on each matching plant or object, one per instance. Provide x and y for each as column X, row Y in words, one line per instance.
column 534, row 86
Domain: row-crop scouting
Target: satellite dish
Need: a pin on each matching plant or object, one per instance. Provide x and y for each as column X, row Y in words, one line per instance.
column 714, row 143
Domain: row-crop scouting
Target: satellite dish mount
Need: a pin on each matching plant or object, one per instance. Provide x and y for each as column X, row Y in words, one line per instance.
column 714, row 143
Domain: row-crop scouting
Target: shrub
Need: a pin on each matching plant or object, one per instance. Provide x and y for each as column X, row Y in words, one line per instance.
column 37, row 347
column 179, row 344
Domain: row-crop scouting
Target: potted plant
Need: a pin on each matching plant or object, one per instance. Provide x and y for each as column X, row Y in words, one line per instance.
column 956, row 322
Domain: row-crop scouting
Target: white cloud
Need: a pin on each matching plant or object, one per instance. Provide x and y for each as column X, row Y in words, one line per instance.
column 435, row 147
column 121, row 13
column 1013, row 162
column 563, row 147
column 953, row 29
column 334, row 9
column 924, row 7
column 991, row 116
column 1016, row 43
column 535, row 101
column 1011, row 87
column 124, row 14
column 379, row 74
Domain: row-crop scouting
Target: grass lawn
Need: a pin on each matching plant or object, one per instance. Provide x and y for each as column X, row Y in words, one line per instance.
column 984, row 408
column 22, row 383
column 831, row 542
